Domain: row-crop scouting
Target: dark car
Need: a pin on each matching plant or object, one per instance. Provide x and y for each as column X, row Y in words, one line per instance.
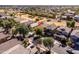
column 70, row 51
column 48, row 32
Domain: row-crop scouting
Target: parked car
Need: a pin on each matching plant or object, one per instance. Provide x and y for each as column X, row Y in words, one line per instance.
column 70, row 51
column 31, row 34
column 76, row 18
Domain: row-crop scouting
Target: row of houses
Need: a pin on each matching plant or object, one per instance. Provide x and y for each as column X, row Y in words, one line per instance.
column 68, row 14
column 63, row 33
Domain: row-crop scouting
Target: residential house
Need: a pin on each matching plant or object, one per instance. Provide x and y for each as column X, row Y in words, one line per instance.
column 75, row 38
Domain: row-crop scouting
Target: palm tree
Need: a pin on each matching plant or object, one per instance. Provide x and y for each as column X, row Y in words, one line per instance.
column 70, row 43
column 70, row 24
column 48, row 42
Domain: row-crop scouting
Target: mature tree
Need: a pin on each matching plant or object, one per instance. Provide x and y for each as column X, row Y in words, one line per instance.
column 20, row 29
column 71, row 24
column 7, row 24
column 48, row 42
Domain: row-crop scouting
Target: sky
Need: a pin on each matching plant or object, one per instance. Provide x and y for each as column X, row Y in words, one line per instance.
column 39, row 2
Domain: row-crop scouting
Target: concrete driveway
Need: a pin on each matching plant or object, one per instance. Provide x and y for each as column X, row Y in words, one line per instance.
column 7, row 45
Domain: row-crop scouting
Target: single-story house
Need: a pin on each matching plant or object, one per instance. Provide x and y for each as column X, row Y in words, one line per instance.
column 64, row 30
column 34, row 25
column 49, row 30
column 75, row 38
column 59, row 37
column 66, row 15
